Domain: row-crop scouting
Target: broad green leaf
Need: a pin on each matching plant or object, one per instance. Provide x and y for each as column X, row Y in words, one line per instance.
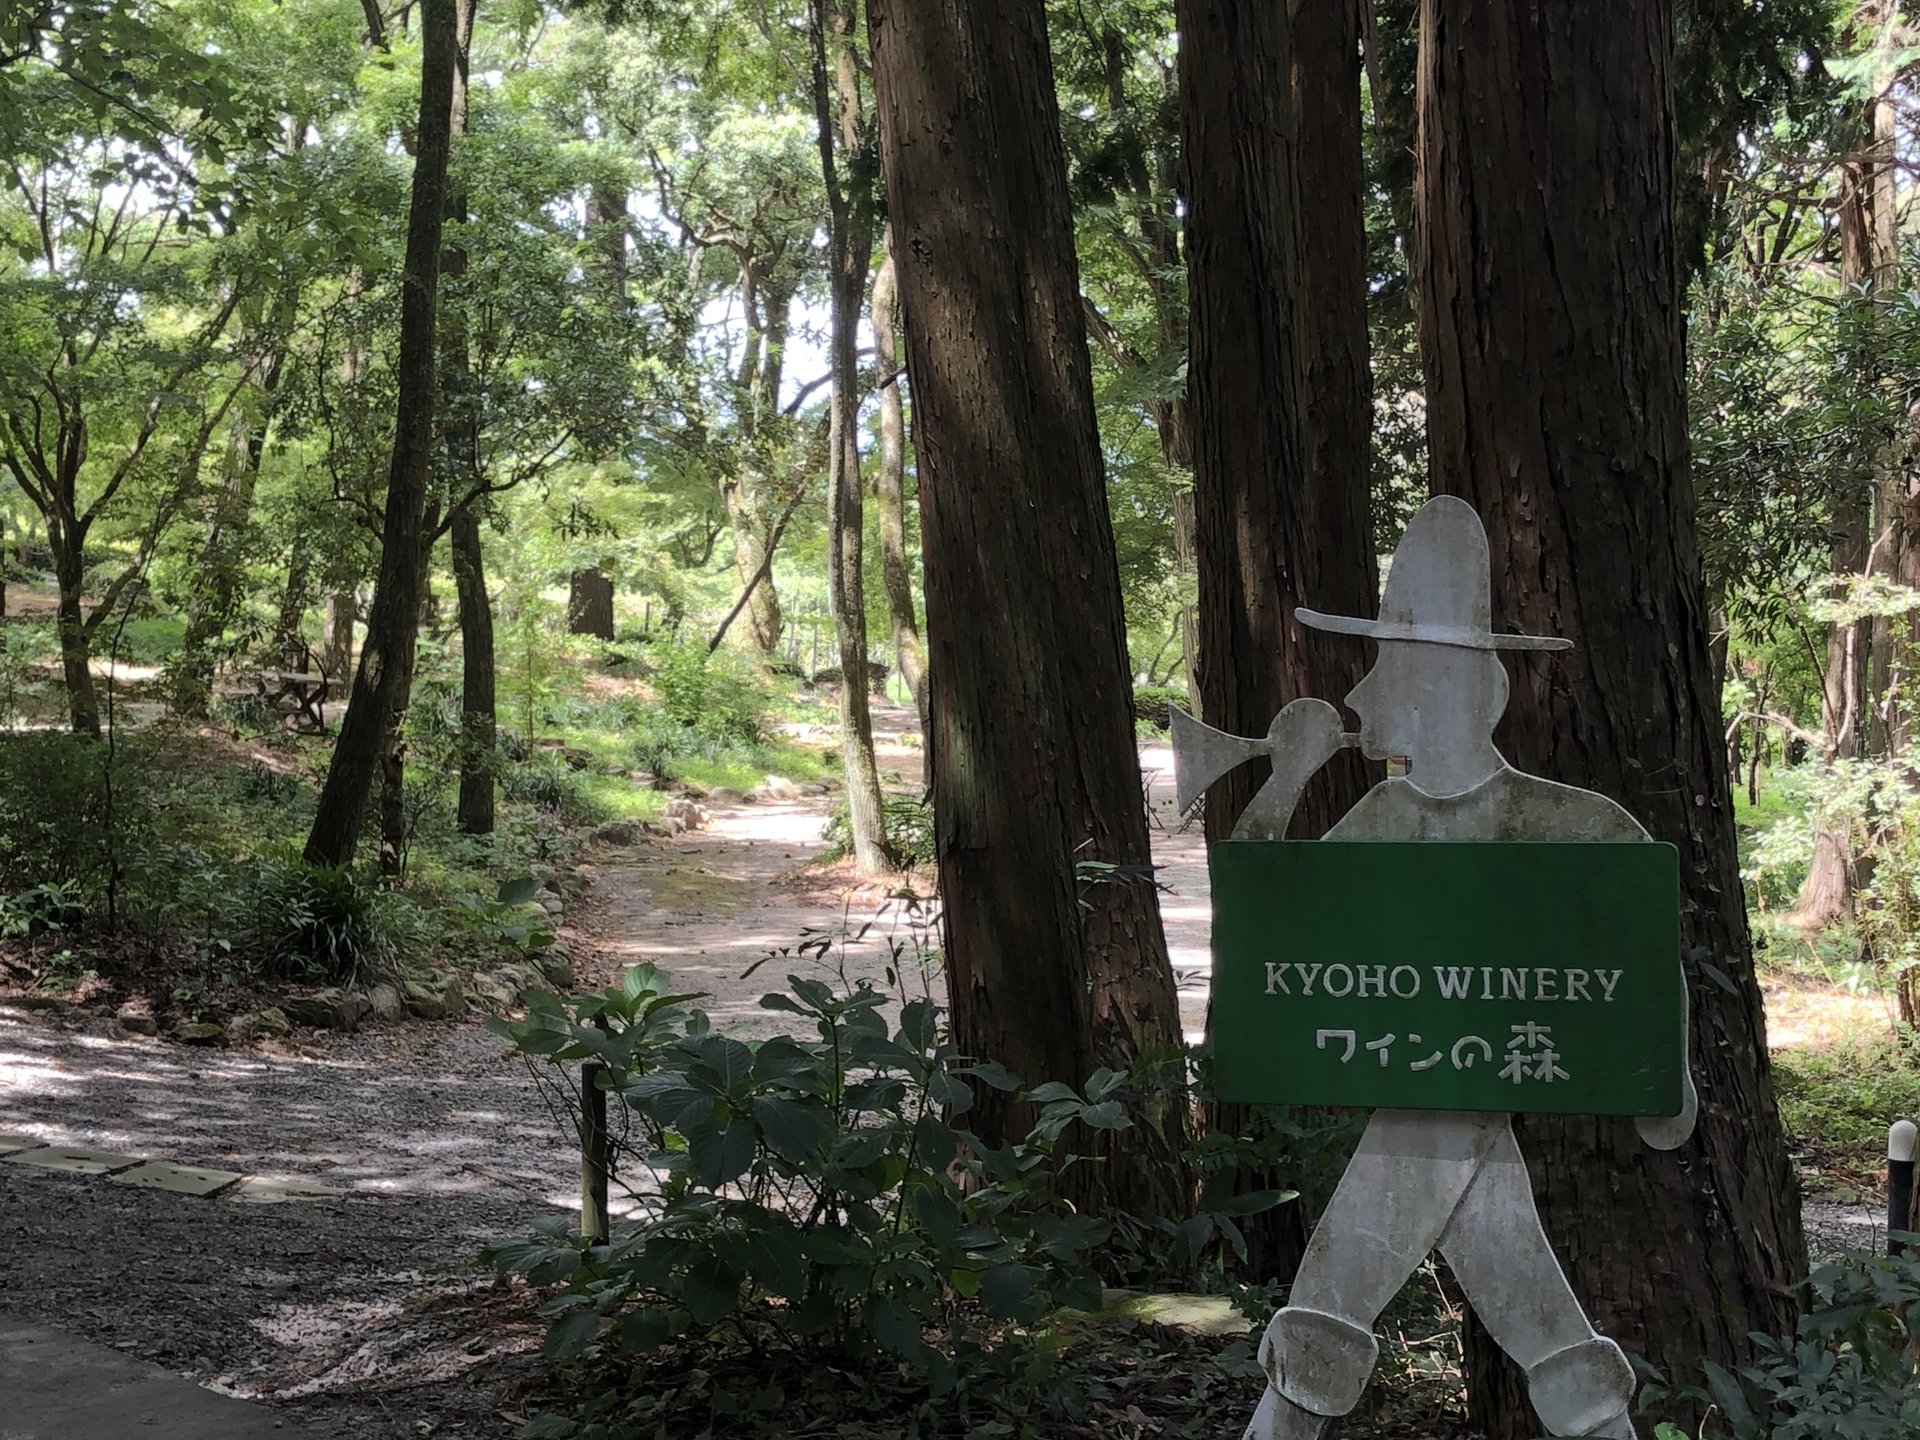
column 711, row 1291
column 1005, row 1289
column 795, row 1131
column 518, row 891
column 722, row 1150
column 570, row 1335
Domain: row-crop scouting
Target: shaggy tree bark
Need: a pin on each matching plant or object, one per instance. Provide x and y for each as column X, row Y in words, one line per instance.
column 1551, row 325
column 1280, row 395
column 386, row 655
column 1056, row 963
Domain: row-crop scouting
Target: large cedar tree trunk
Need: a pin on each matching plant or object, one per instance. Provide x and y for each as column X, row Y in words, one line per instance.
column 1031, row 751
column 386, row 654
column 890, row 485
column 1551, row 323
column 1280, row 394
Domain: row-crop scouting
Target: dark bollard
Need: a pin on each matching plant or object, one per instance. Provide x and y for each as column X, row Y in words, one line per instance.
column 1901, row 1140
column 595, row 1154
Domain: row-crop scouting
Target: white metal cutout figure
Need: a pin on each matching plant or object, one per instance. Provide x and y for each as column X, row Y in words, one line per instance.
column 1426, row 1180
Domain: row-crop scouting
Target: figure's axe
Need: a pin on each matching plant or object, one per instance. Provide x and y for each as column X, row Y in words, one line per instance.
column 1302, row 738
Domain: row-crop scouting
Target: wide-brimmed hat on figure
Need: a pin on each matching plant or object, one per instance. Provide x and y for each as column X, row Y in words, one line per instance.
column 1438, row 591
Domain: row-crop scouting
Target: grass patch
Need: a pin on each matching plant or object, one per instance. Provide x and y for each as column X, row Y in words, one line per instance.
column 1837, row 1101
column 741, row 767
column 614, row 797
column 1775, row 804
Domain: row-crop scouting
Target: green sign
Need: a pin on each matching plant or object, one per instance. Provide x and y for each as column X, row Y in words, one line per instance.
column 1449, row 975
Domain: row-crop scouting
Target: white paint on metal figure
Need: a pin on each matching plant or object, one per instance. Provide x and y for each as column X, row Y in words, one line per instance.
column 1903, row 1140
column 1424, row 1180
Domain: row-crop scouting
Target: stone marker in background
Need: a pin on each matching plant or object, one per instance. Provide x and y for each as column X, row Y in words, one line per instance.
column 1534, row 967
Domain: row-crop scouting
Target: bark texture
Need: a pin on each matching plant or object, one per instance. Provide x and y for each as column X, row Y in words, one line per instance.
column 1031, row 749
column 1552, row 329
column 846, row 170
column 890, row 486
column 1280, row 397
column 590, row 604
column 1869, row 533
column 477, row 704
column 386, row 655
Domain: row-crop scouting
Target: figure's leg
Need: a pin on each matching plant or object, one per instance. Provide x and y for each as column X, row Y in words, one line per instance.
column 1579, row 1381
column 1409, row 1172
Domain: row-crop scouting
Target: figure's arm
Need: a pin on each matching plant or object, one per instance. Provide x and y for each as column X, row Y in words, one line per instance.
column 1670, row 1132
column 1303, row 737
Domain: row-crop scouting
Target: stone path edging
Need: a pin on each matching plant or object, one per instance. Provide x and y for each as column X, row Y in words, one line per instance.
column 161, row 1174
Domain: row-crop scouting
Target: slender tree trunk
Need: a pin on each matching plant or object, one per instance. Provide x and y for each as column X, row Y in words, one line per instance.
column 294, row 596
column 1052, row 969
column 386, row 655
column 68, row 543
column 846, row 169
column 336, row 636
column 1186, row 548
column 1858, row 651
column 460, row 422
column 222, row 556
column 1551, row 323
column 455, row 433
column 765, row 308
column 890, row 486
column 477, row 712
column 1279, row 390
column 590, row 592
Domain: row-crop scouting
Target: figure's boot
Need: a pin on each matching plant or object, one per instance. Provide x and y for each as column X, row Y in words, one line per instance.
column 1585, row 1389
column 1317, row 1364
column 1278, row 1418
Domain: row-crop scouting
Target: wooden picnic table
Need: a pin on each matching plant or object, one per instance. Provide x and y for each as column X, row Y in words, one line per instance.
column 298, row 697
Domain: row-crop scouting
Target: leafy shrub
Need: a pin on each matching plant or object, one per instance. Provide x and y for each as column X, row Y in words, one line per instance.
column 546, row 782
column 717, row 696
column 509, row 920
column 39, row 909
column 1835, row 1099
column 54, row 810
column 324, row 922
column 1848, row 1372
column 907, row 819
column 1151, row 704
column 820, row 1190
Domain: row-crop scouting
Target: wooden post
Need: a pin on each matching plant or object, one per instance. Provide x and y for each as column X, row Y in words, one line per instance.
column 595, row 1154
column 1900, row 1153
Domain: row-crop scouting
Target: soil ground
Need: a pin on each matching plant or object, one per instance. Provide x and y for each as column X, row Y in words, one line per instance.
column 366, row 1317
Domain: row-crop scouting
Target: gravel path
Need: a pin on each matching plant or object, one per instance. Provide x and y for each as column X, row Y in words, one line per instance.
column 365, row 1316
